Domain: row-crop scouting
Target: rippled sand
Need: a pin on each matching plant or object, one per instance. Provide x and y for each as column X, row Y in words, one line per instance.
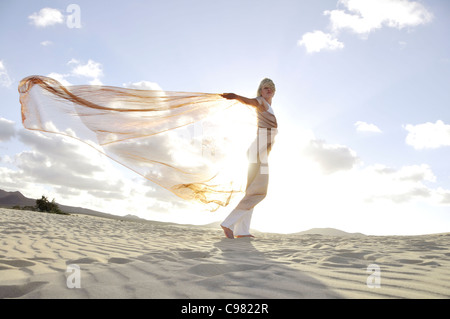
column 59, row 256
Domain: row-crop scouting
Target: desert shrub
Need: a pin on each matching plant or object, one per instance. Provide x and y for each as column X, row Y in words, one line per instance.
column 44, row 205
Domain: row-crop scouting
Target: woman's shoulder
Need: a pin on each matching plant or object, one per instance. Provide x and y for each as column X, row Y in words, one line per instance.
column 264, row 105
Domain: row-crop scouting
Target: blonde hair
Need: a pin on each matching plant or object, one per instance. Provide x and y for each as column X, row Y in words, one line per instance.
column 265, row 82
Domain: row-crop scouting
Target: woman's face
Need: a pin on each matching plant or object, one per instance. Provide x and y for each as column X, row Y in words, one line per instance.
column 267, row 92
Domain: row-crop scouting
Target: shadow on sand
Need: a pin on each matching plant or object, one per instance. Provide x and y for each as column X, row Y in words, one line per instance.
column 255, row 275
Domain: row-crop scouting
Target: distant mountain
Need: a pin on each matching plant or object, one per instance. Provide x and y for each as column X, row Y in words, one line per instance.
column 11, row 199
column 313, row 231
column 328, row 232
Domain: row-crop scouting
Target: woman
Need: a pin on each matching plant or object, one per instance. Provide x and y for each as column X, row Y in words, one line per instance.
column 238, row 221
column 149, row 132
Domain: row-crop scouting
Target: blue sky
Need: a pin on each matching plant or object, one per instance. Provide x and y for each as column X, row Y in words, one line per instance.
column 362, row 102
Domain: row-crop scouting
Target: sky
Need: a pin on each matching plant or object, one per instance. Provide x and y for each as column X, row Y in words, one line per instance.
column 362, row 103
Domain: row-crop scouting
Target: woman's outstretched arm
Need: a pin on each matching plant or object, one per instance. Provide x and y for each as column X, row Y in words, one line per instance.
column 245, row 100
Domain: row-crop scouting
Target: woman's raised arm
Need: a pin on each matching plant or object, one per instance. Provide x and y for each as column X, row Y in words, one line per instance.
column 245, row 100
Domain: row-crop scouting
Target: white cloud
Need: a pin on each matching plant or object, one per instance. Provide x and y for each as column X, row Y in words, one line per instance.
column 400, row 185
column 67, row 166
column 445, row 196
column 7, row 129
column 46, row 17
column 5, row 80
column 365, row 16
column 411, row 173
column 94, row 71
column 416, row 173
column 331, row 157
column 428, row 135
column 375, row 183
column 317, row 41
column 95, row 81
column 366, row 127
column 143, row 85
column 61, row 78
column 91, row 70
column 46, row 43
column 73, row 61
column 76, row 174
column 57, row 152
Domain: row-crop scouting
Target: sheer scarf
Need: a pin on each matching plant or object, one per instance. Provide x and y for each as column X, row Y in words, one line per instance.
column 193, row 144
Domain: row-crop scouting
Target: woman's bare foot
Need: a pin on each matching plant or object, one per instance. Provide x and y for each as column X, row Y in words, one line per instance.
column 228, row 232
column 242, row 236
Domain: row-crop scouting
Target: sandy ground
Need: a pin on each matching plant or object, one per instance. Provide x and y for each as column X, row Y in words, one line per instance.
column 59, row 256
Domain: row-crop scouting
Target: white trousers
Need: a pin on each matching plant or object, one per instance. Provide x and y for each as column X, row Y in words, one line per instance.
column 239, row 221
column 257, row 183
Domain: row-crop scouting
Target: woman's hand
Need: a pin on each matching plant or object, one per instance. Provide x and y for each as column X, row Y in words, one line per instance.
column 230, row 96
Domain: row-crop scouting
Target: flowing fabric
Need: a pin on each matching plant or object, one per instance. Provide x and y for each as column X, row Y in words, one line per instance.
column 193, row 144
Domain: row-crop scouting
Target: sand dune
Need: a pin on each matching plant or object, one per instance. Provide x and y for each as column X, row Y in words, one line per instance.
column 58, row 256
